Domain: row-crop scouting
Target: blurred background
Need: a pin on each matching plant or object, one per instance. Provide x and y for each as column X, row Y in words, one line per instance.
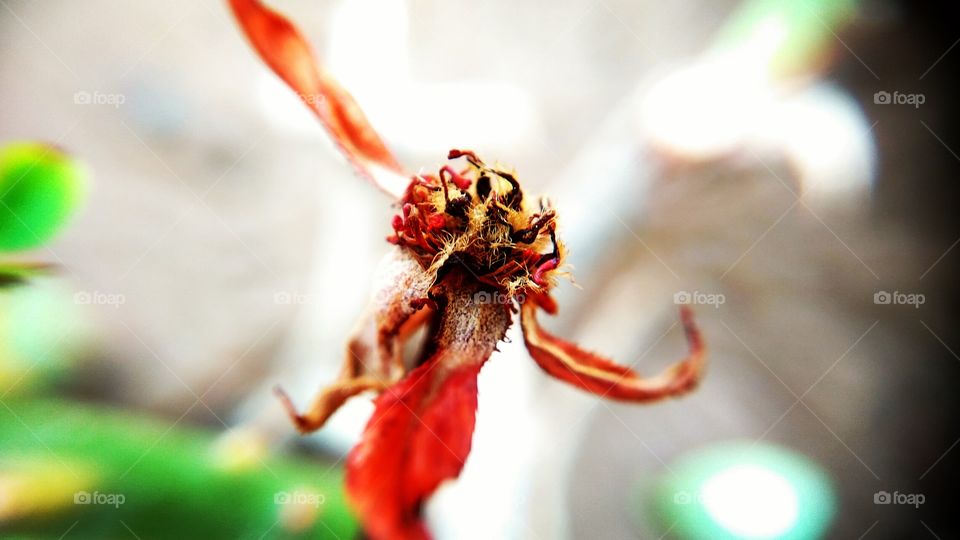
column 788, row 167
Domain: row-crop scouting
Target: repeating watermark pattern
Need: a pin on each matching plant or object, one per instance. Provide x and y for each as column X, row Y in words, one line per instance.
column 98, row 298
column 897, row 98
column 84, row 97
column 699, row 298
column 291, row 298
column 107, row 499
column 897, row 298
column 496, row 297
column 305, row 498
column 912, row 499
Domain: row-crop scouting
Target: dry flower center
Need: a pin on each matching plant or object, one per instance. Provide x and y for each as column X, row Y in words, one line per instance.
column 479, row 219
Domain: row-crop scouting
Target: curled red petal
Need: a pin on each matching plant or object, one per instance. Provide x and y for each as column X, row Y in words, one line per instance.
column 419, row 435
column 602, row 376
column 286, row 51
column 422, row 427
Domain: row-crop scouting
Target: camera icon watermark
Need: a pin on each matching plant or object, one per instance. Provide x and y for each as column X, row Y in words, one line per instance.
column 84, row 97
column 699, row 298
column 98, row 298
column 911, row 499
column 896, row 98
column 881, row 98
column 302, row 498
column 107, row 499
column 897, row 298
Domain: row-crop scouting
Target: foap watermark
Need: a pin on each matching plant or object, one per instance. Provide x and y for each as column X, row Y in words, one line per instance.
column 911, row 499
column 685, row 497
column 98, row 298
column 496, row 297
column 107, row 499
column 897, row 98
column 699, row 298
column 304, row 498
column 312, row 100
column 84, row 97
column 290, row 298
column 897, row 298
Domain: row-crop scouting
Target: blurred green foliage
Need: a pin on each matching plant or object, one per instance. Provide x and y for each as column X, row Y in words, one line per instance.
column 801, row 30
column 71, row 469
column 102, row 473
column 40, row 186
column 42, row 334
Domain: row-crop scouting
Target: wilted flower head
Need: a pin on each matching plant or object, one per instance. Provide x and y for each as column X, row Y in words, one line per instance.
column 471, row 251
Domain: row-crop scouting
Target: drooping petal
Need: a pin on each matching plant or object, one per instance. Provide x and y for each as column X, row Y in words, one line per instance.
column 373, row 359
column 283, row 48
column 606, row 378
column 421, row 429
column 419, row 436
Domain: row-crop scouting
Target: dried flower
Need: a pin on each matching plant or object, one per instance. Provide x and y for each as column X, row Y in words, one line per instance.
column 471, row 251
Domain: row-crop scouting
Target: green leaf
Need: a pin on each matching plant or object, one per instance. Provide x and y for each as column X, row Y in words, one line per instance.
column 100, row 472
column 40, row 186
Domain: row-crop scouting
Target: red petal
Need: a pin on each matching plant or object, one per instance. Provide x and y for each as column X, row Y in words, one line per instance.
column 285, row 50
column 602, row 376
column 421, row 430
column 419, row 436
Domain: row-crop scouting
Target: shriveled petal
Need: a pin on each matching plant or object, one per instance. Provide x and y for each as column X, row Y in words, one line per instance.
column 287, row 52
column 420, row 435
column 374, row 355
column 606, row 378
column 421, row 429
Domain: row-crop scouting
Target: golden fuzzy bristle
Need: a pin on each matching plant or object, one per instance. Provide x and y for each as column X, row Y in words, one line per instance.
column 480, row 219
